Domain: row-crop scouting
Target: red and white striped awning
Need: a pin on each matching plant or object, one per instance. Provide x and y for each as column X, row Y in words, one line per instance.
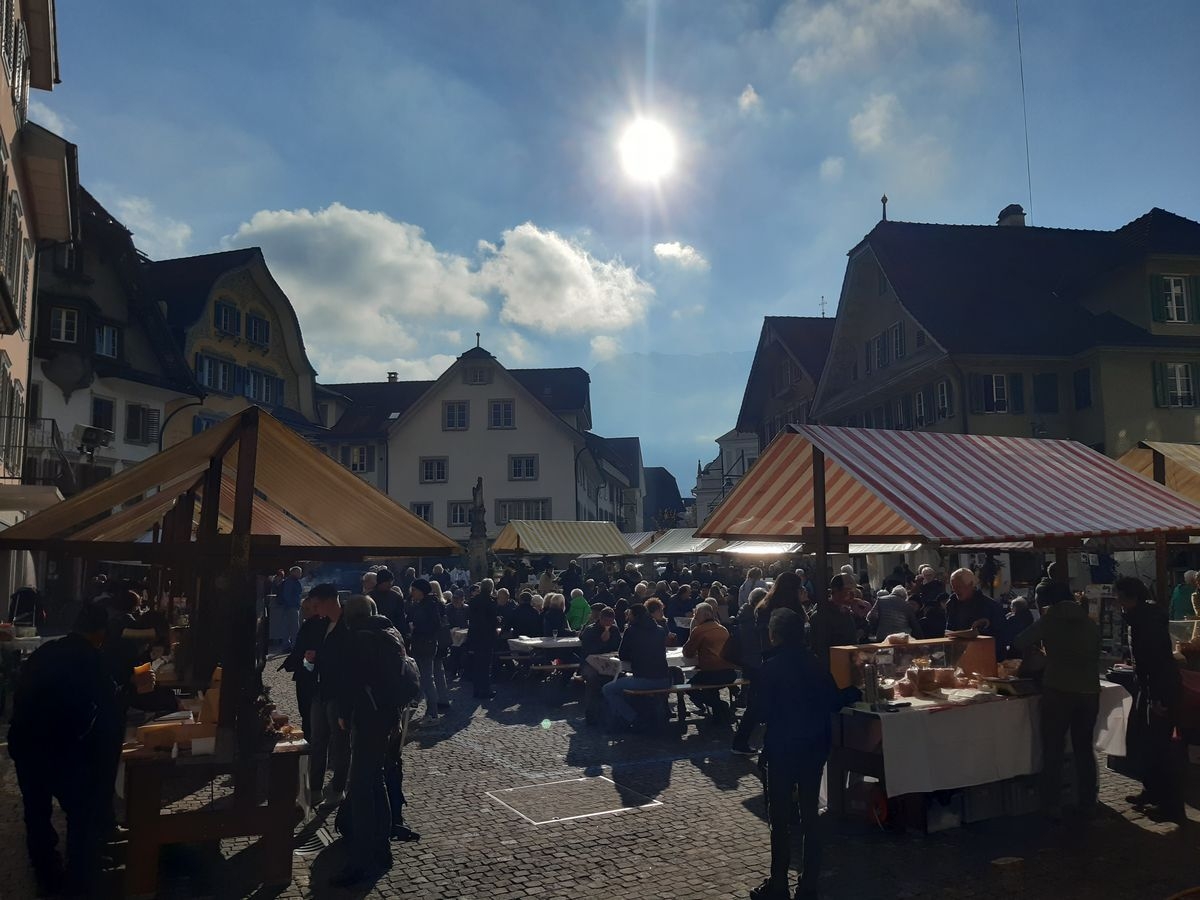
column 891, row 486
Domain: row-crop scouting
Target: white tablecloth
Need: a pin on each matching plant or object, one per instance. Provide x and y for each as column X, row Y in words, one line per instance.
column 528, row 645
column 952, row 747
column 608, row 664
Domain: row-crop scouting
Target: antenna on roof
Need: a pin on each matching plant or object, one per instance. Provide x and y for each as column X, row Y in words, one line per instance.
column 477, row 339
column 822, row 306
column 883, row 200
column 1024, row 109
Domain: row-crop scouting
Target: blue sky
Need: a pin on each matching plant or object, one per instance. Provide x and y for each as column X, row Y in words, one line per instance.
column 417, row 172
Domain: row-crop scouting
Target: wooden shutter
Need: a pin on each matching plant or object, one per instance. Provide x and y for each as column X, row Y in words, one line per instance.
column 134, row 424
column 975, row 390
column 1158, row 300
column 346, row 455
column 930, row 404
column 1194, row 370
column 1193, row 289
column 237, row 320
column 885, row 344
column 240, row 380
column 901, row 349
column 153, row 424
column 1161, row 398
column 949, row 398
column 370, row 457
column 1016, row 393
column 870, row 353
column 906, row 409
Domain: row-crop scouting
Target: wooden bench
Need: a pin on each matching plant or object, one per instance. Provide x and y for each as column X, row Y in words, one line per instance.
column 680, row 690
column 554, row 667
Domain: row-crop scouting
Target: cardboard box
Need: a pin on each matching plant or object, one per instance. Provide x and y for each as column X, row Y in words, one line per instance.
column 978, row 655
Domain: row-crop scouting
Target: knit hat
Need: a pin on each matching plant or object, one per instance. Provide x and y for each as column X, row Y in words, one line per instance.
column 423, row 586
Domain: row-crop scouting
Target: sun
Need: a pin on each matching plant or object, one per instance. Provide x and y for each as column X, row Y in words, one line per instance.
column 647, row 151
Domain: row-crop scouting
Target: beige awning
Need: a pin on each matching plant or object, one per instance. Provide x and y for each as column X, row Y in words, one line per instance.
column 681, row 542
column 561, row 538
column 1181, row 465
column 300, row 495
column 28, row 498
column 762, row 548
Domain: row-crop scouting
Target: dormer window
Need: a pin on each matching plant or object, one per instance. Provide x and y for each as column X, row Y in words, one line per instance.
column 227, row 319
column 478, row 375
column 258, row 330
column 107, row 337
column 1175, row 298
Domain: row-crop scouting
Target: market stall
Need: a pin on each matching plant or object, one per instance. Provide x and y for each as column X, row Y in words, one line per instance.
column 241, row 499
column 888, row 487
column 552, row 538
column 681, row 542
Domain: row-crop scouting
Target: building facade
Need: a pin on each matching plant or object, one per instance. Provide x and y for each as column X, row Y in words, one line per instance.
column 239, row 333
column 526, row 432
column 106, row 369
column 1021, row 331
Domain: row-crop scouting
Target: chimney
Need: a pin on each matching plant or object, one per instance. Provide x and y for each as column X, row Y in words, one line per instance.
column 1012, row 215
column 393, row 377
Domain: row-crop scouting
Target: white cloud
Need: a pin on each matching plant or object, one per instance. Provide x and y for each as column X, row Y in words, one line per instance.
column 832, row 168
column 360, row 367
column 156, row 235
column 552, row 284
column 48, row 118
column 683, row 255
column 685, row 312
column 749, row 101
column 870, row 128
column 605, row 347
column 862, row 36
column 515, row 348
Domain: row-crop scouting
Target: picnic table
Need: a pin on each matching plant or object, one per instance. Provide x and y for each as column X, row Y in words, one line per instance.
column 609, row 665
column 529, row 644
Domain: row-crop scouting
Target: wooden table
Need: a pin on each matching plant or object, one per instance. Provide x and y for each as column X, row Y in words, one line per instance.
column 149, row 828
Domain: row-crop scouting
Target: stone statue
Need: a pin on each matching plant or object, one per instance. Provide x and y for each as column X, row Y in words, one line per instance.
column 478, row 510
column 478, row 543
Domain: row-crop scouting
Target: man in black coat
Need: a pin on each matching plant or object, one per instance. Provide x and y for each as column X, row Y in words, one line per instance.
column 302, row 661
column 481, row 638
column 65, row 739
column 526, row 621
column 644, row 647
column 329, row 745
column 390, row 602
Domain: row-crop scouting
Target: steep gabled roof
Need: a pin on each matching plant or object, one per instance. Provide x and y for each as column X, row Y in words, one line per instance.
column 185, row 284
column 560, row 390
column 806, row 339
column 624, row 453
column 662, row 492
column 1016, row 290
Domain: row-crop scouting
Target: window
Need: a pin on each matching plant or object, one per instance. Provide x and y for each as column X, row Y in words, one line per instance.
column 919, row 409
column 215, row 373
column 64, row 325
column 141, row 423
column 1082, row 380
column 359, row 458
column 868, row 357
column 203, row 423
column 258, row 330
column 106, row 341
column 455, row 415
column 881, row 351
column 422, row 511
column 507, row 510
column 1175, row 298
column 261, row 387
column 919, row 338
column 227, row 319
column 897, row 340
column 1180, row 387
column 459, row 514
column 995, row 398
column 997, row 394
column 103, row 413
column 945, row 400
column 434, row 469
column 478, row 375
column 500, row 414
column 523, row 468
column 1045, row 393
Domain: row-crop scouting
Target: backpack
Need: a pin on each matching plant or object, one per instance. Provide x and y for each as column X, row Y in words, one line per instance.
column 395, row 680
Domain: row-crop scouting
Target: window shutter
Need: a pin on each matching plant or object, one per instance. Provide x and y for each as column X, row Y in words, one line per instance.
column 975, row 388
column 346, row 455
column 370, row 457
column 930, row 404
column 1158, row 300
column 1016, row 393
column 901, row 349
column 237, row 321
column 153, row 424
column 886, row 356
column 1193, row 289
column 217, row 316
column 906, row 406
column 1194, row 371
column 133, row 422
column 869, row 354
column 949, row 398
column 197, row 424
column 277, row 393
column 239, row 379
column 1160, row 385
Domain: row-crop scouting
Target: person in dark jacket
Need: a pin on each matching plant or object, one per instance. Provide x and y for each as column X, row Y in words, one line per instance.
column 571, row 579
column 1018, row 620
column 1070, row 692
column 1156, row 708
column 481, row 638
column 799, row 697
column 65, row 741
column 932, row 623
column 302, row 661
column 752, row 659
column 526, row 621
column 968, row 607
column 427, row 618
column 329, row 745
column 364, row 711
column 598, row 638
column 832, row 623
column 390, row 602
column 554, row 617
column 457, row 617
column 644, row 647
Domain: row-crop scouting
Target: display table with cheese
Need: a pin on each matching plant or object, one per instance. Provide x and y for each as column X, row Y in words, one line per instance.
column 944, row 720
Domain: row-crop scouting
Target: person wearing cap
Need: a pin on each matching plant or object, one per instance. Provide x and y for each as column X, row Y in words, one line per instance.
column 1181, row 597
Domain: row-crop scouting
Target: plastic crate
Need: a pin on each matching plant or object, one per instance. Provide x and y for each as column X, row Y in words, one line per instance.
column 1022, row 796
column 983, row 801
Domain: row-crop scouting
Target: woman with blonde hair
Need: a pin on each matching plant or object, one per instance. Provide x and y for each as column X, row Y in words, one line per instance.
column 554, row 619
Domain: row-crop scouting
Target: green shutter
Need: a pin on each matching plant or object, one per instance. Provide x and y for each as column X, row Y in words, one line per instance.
column 345, row 455
column 901, row 349
column 1016, row 393
column 930, row 404
column 975, row 391
column 869, row 352
column 1194, row 299
column 1158, row 300
column 370, row 457
column 906, row 406
column 949, row 398
column 1194, row 369
column 1160, row 385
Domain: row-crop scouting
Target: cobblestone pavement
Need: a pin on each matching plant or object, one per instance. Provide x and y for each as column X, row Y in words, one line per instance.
column 695, row 831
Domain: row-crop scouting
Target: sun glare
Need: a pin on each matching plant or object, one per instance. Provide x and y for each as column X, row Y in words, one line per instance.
column 647, row 151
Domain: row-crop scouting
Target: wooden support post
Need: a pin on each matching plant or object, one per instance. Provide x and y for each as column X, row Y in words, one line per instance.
column 1062, row 565
column 1161, row 577
column 211, row 506
column 820, row 522
column 1160, row 468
